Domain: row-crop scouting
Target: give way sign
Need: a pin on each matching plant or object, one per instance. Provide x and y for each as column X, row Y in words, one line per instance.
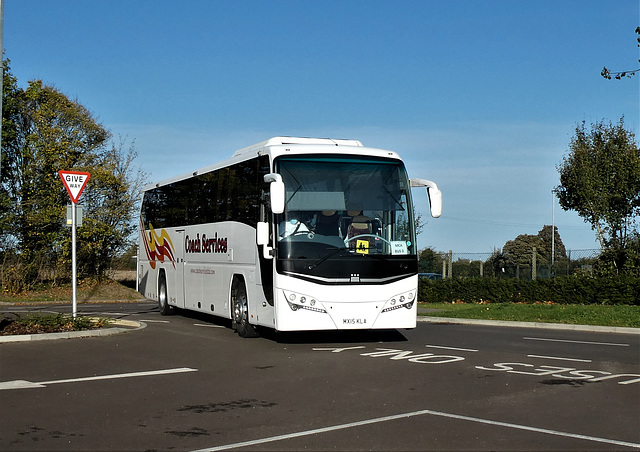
column 74, row 182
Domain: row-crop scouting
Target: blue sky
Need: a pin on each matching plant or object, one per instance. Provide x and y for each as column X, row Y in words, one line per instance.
column 480, row 96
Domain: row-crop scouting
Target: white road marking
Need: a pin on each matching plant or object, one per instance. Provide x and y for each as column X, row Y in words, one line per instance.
column 155, row 321
column 336, row 349
column 574, row 342
column 452, row 348
column 208, row 325
column 560, row 358
column 23, row 384
column 420, row 413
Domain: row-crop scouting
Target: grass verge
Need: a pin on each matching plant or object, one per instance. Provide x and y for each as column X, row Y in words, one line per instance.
column 610, row 315
column 11, row 324
column 87, row 291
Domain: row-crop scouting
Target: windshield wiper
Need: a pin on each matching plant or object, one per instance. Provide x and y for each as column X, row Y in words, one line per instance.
column 331, row 254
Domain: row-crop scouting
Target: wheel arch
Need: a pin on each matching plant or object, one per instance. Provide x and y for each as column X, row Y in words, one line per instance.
column 240, row 313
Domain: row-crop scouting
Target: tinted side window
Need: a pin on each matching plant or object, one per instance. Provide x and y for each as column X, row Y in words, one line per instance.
column 228, row 194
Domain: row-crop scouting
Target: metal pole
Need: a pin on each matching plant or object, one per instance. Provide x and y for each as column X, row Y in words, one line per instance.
column 73, row 258
column 553, row 233
column 1, row 77
column 137, row 269
column 534, row 263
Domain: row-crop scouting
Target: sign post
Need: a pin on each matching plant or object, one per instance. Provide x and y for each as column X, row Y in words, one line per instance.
column 74, row 182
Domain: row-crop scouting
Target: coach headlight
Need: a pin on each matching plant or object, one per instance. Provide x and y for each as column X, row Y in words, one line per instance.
column 403, row 300
column 298, row 301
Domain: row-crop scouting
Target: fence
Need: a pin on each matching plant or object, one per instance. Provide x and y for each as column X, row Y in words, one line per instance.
column 498, row 265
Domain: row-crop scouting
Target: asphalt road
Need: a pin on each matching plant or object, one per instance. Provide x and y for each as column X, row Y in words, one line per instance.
column 188, row 382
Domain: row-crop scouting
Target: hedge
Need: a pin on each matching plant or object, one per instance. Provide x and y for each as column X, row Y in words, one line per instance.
column 562, row 290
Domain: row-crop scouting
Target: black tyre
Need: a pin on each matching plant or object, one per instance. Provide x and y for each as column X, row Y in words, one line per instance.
column 163, row 299
column 240, row 311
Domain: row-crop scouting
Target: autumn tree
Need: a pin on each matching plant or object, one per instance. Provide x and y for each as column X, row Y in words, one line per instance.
column 552, row 243
column 501, row 264
column 600, row 180
column 43, row 132
column 10, row 121
column 520, row 250
column 111, row 202
column 429, row 261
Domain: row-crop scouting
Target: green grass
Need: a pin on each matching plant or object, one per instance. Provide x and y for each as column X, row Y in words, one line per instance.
column 611, row 315
column 87, row 291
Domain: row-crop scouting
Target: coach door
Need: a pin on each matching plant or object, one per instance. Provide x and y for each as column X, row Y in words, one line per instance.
column 178, row 282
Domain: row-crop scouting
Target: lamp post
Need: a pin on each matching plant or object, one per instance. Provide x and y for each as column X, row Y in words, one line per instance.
column 553, row 234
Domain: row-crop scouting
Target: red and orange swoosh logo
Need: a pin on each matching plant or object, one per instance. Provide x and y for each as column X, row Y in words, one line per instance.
column 157, row 246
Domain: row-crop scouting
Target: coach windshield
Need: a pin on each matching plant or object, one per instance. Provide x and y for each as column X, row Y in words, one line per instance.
column 339, row 210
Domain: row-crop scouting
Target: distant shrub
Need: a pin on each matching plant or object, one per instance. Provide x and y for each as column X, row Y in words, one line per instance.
column 609, row 290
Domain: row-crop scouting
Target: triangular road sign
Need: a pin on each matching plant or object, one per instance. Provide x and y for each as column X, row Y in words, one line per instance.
column 74, row 182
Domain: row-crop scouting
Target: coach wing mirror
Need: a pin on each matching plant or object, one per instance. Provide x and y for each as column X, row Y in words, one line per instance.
column 433, row 192
column 276, row 194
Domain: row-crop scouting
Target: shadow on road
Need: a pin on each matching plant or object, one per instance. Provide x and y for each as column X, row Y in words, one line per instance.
column 307, row 337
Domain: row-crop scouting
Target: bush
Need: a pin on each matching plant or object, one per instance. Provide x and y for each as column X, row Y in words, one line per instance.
column 48, row 323
column 609, row 290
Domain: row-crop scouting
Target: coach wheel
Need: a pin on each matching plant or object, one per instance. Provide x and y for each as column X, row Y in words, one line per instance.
column 241, row 311
column 163, row 300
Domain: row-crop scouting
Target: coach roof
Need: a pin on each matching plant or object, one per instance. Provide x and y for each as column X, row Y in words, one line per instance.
column 323, row 145
column 279, row 141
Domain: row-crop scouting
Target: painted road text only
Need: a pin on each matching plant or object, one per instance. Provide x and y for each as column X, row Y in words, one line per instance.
column 519, row 368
